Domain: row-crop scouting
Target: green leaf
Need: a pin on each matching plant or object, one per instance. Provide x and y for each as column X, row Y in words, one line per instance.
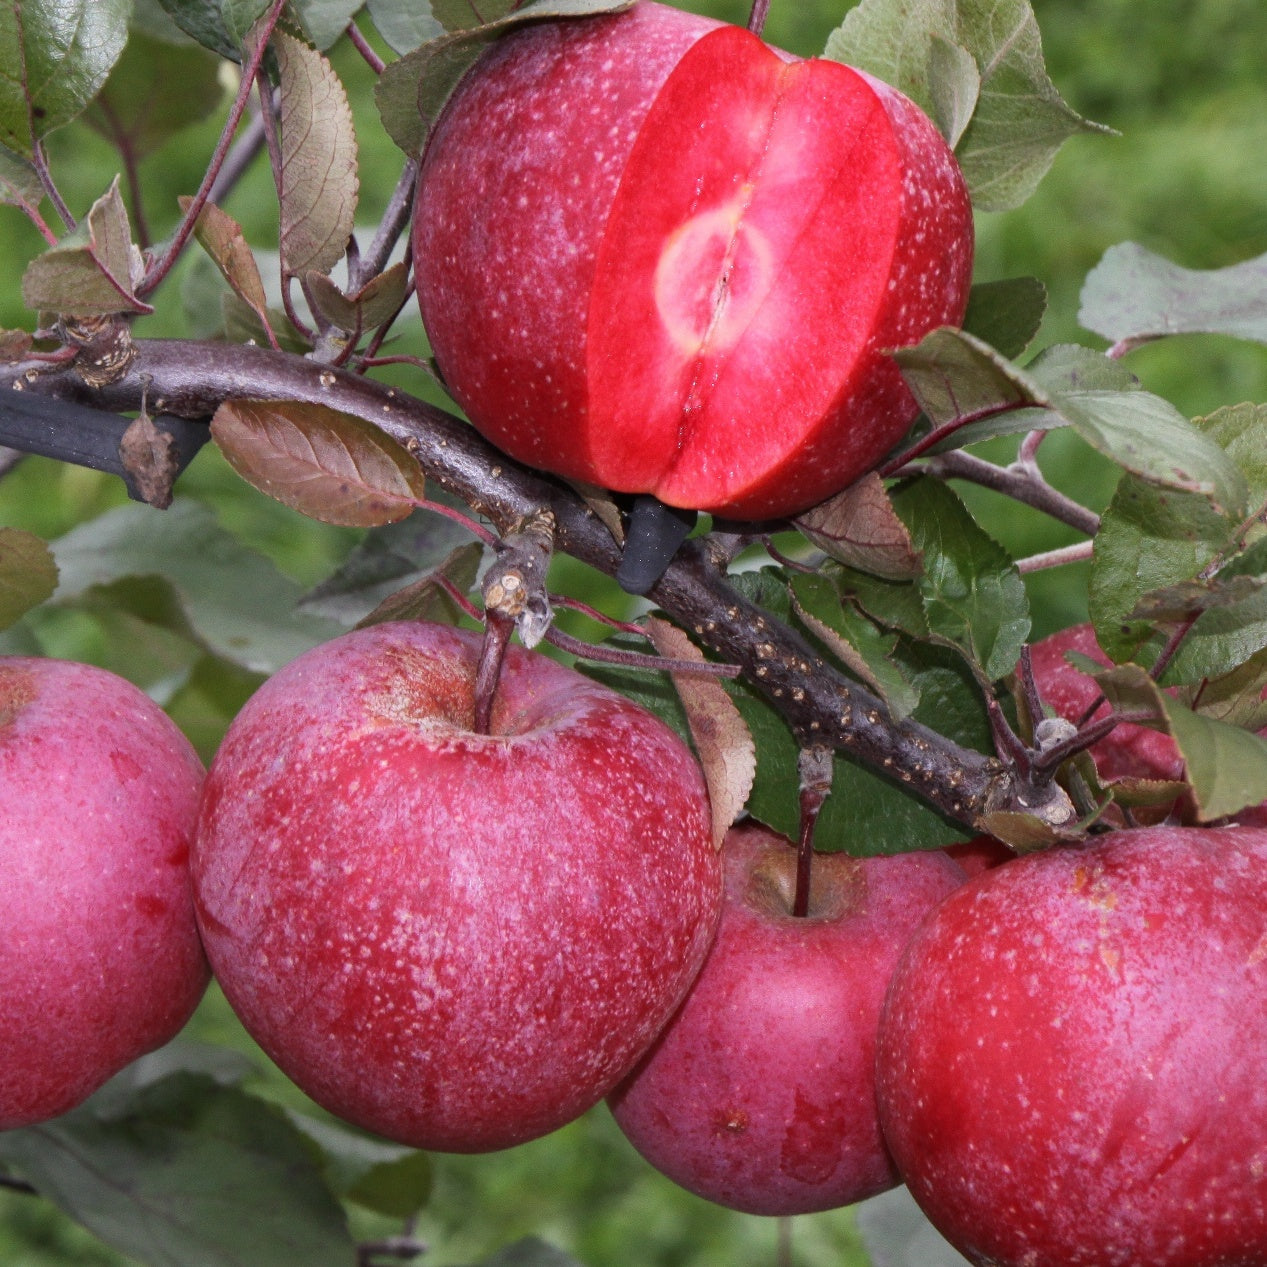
column 388, row 559
column 954, row 375
column 208, row 699
column 404, row 24
column 1150, row 438
column 1226, row 766
column 92, row 272
column 1006, row 314
column 1150, row 538
column 317, row 184
column 1133, row 295
column 973, row 595
column 865, row 650
column 1020, row 120
column 56, row 54
column 324, row 21
column 186, row 1172
column 236, row 601
column 1222, row 639
column 388, row 1178
column 954, row 85
column 376, row 302
column 28, row 574
column 412, row 91
column 1241, row 432
column 426, row 598
column 203, row 21
column 19, row 182
column 155, row 91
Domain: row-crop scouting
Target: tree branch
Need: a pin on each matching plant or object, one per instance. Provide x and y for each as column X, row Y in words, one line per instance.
column 820, row 704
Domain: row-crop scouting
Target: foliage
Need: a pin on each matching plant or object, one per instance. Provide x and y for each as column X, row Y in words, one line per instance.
column 920, row 590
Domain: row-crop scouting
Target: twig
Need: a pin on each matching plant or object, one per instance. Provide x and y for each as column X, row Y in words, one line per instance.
column 814, row 697
column 1079, row 552
column 163, row 265
column 1018, row 485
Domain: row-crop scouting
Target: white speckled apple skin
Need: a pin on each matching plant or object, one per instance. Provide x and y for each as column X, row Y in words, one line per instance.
column 656, row 255
column 460, row 941
column 1071, row 1055
column 100, row 960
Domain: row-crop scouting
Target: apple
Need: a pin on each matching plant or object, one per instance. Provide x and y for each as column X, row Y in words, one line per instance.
column 657, row 255
column 1128, row 751
column 981, row 853
column 1070, row 1060
column 99, row 954
column 760, row 1095
column 458, row 940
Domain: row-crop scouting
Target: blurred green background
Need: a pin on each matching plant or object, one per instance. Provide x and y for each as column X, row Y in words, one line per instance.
column 1184, row 84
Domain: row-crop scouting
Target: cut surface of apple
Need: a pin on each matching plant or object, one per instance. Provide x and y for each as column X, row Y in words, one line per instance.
column 658, row 255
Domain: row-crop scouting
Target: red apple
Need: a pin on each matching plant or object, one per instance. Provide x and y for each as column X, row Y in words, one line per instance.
column 455, row 939
column 1129, row 751
column 1070, row 1064
column 99, row 954
column 981, row 853
column 657, row 255
column 760, row 1095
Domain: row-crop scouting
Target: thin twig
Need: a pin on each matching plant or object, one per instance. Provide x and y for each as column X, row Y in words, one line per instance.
column 1078, row 552
column 163, row 265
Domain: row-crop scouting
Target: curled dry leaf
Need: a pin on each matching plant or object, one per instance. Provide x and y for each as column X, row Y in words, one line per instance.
column 325, row 464
column 859, row 527
column 149, row 456
column 220, row 235
column 722, row 738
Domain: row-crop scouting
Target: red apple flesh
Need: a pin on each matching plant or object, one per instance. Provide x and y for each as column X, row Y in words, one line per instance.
column 657, row 255
column 99, row 954
column 760, row 1095
column 1070, row 1064
column 457, row 940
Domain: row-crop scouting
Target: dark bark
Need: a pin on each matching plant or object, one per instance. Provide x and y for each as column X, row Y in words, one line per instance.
column 822, row 706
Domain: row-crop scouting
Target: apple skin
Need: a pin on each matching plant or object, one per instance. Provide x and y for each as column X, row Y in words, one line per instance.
column 656, row 255
column 1071, row 1054
column 100, row 960
column 981, row 853
column 1129, row 751
column 760, row 1095
column 459, row 941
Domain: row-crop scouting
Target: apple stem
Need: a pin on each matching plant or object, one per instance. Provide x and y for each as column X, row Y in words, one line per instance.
column 756, row 19
column 815, row 765
column 497, row 631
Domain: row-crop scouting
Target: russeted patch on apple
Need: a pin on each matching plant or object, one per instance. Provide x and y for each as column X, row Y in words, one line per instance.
column 657, row 255
column 459, row 940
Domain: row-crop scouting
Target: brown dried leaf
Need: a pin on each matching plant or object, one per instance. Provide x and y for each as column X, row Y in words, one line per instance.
column 723, row 741
column 14, row 345
column 860, row 528
column 220, row 235
column 327, row 465
column 28, row 574
column 317, row 184
column 376, row 302
column 94, row 271
column 149, row 456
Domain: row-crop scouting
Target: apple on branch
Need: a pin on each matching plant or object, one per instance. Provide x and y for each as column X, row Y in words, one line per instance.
column 760, row 1095
column 457, row 938
column 1070, row 1060
column 100, row 960
column 657, row 255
